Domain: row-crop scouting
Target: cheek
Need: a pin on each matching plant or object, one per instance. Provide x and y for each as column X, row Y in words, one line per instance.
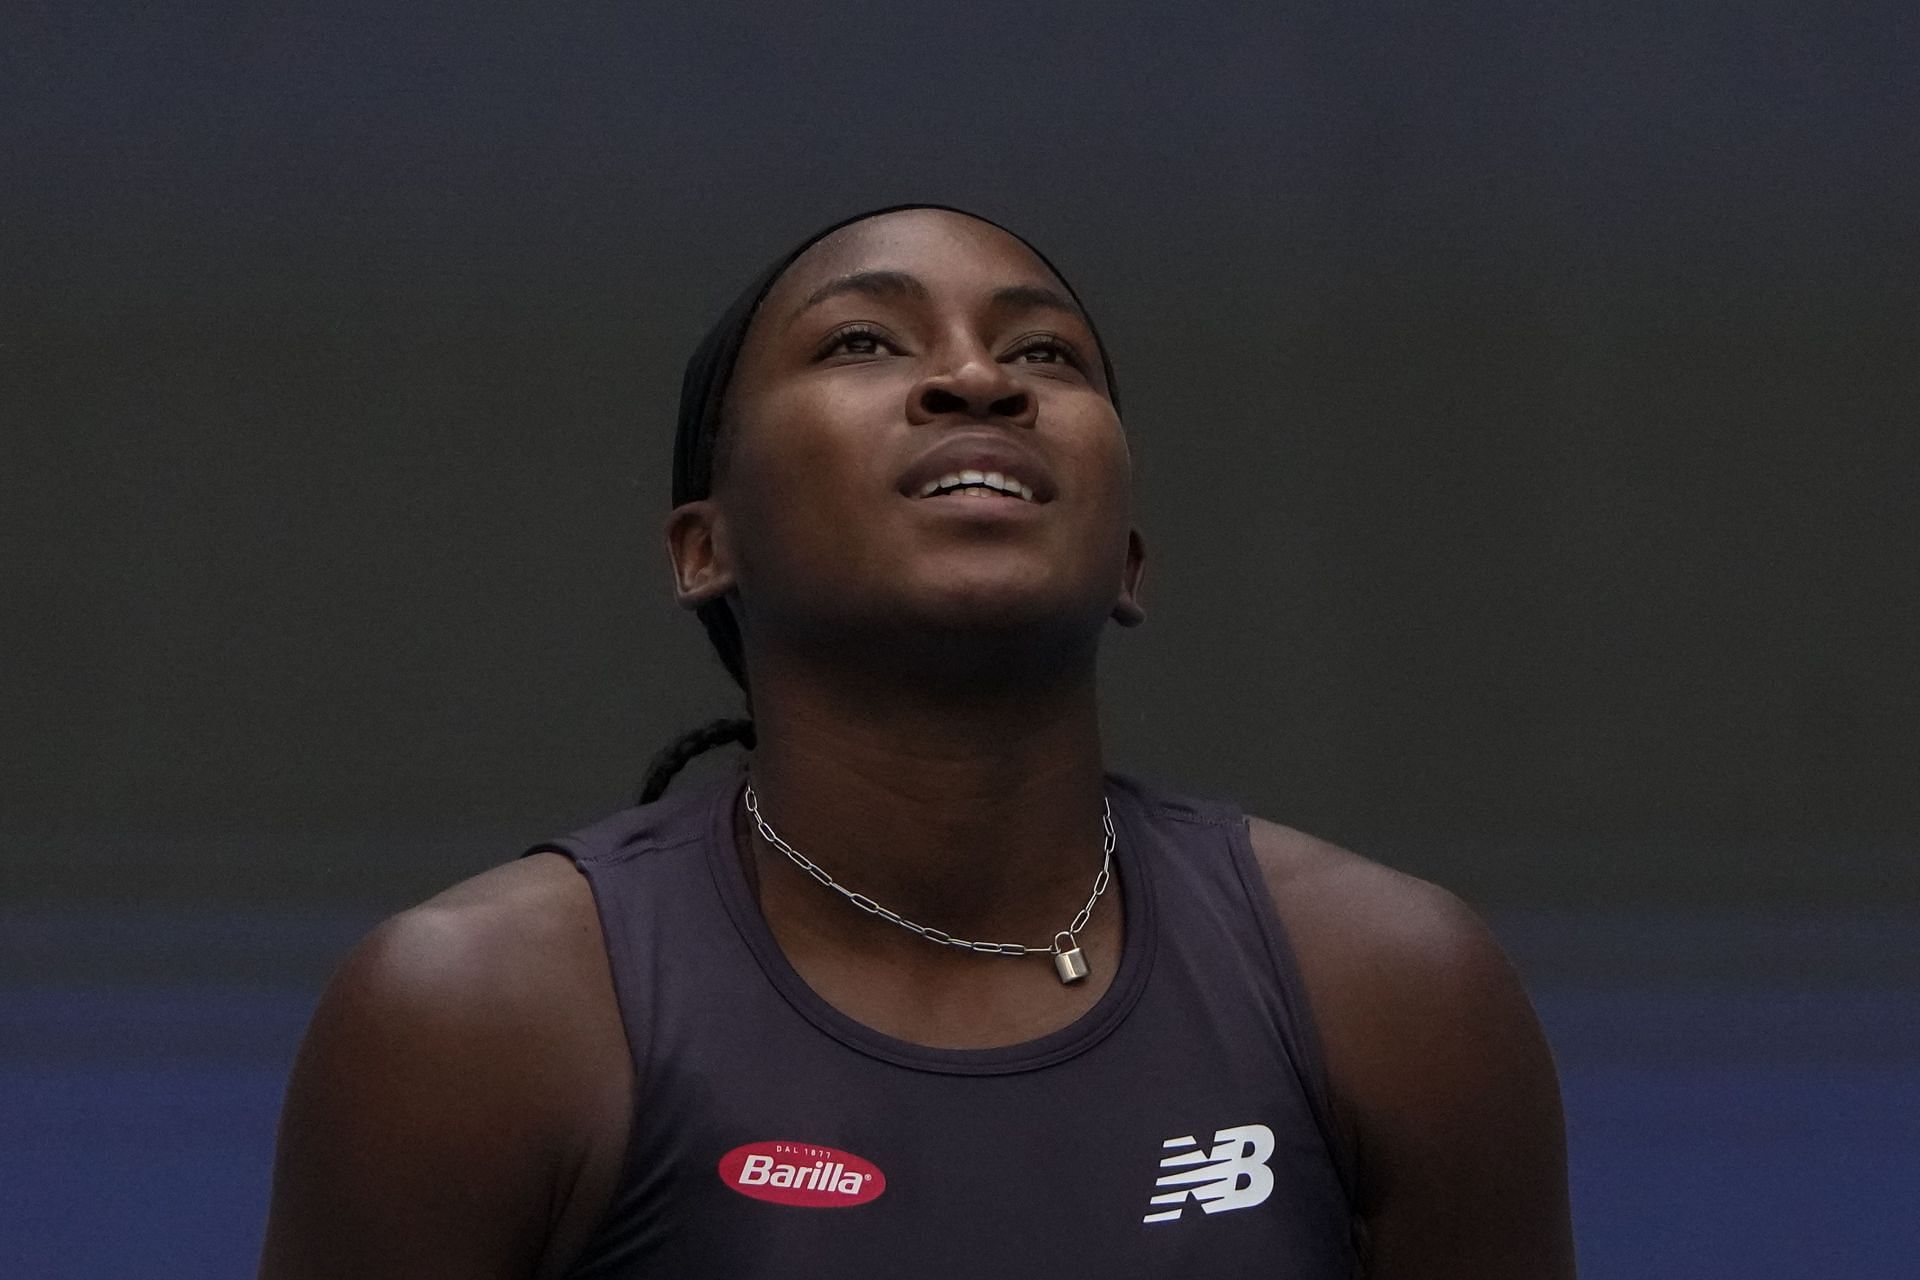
column 1108, row 467
column 1108, row 544
column 808, row 470
column 828, row 430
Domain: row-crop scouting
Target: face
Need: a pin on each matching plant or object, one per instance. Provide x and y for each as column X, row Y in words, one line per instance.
column 919, row 440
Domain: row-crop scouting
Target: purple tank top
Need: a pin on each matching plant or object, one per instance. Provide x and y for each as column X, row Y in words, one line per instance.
column 1179, row 1128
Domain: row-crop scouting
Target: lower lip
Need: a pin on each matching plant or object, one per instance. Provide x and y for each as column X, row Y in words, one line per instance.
column 984, row 508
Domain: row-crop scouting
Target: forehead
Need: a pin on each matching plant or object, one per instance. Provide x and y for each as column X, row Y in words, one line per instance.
column 945, row 250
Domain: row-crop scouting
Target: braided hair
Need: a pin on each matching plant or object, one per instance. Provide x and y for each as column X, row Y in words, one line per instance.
column 675, row 755
column 699, row 456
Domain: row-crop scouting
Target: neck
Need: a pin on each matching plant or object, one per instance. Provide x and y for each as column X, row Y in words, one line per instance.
column 976, row 812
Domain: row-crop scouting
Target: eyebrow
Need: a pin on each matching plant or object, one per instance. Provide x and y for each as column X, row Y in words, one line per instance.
column 1014, row 297
column 901, row 284
column 874, row 284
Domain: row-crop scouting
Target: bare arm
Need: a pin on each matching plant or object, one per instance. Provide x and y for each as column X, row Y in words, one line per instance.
column 440, row 1118
column 1439, row 1069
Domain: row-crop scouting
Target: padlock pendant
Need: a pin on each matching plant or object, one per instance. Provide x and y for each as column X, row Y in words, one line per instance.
column 1069, row 962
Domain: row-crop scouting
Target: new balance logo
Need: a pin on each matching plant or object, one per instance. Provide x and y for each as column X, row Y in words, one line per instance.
column 1232, row 1175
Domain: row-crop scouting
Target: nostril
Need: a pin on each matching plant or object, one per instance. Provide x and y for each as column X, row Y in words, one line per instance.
column 940, row 400
column 1010, row 406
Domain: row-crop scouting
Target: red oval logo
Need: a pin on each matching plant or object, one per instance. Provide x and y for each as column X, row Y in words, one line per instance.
column 801, row 1173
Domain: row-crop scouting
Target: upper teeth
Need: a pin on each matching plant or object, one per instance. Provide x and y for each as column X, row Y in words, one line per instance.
column 977, row 479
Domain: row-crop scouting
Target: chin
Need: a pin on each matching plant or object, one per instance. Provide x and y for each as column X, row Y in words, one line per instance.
column 985, row 614
column 986, row 624
column 991, row 593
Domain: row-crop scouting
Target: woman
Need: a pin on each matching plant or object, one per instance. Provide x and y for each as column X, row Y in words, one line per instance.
column 921, row 991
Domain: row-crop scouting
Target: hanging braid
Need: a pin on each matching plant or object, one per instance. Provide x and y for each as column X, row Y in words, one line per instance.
column 674, row 756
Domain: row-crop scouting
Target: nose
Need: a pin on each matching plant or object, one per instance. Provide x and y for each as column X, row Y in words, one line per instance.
column 975, row 386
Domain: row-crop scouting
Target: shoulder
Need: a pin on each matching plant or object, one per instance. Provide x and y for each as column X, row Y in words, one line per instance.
column 1442, row 1081
column 463, row 1077
column 1351, row 912
column 513, row 949
column 526, row 910
column 1404, row 978
column 502, row 979
column 1371, row 942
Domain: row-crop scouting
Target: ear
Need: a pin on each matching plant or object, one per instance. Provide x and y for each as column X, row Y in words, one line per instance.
column 696, row 543
column 1127, row 610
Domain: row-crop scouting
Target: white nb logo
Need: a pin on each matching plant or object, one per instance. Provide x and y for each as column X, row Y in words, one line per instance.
column 1233, row 1175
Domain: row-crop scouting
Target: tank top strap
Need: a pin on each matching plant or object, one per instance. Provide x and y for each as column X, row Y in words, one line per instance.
column 1224, row 857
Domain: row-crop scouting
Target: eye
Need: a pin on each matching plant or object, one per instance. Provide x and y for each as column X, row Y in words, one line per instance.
column 1047, row 349
column 855, row 340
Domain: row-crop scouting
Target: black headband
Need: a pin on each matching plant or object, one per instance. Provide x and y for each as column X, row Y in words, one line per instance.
column 703, row 386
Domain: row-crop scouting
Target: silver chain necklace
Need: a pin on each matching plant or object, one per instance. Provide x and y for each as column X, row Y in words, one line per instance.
column 1068, row 961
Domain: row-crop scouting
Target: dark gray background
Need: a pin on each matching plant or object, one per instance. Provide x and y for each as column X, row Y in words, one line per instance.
column 1523, row 400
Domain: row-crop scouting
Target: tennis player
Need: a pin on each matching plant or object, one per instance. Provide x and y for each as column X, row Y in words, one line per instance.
column 914, row 986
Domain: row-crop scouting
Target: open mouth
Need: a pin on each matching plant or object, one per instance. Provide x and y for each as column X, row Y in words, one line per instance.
column 977, row 484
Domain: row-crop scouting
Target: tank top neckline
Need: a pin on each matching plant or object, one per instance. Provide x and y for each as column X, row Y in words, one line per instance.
column 1132, row 870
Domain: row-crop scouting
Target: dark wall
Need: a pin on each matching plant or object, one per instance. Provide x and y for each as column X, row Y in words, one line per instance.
column 1523, row 401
